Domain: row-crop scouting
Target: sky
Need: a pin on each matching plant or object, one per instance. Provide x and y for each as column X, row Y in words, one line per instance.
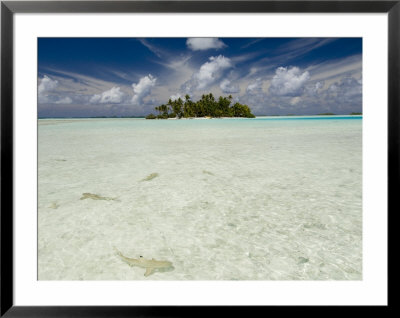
column 88, row 77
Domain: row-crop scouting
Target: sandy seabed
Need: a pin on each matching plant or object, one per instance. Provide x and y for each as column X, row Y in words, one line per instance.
column 229, row 199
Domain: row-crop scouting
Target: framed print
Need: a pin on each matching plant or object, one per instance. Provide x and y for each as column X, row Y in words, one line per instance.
column 160, row 155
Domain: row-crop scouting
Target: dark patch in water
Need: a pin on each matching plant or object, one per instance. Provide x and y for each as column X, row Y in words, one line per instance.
column 54, row 205
column 150, row 177
column 208, row 172
column 302, row 260
column 95, row 197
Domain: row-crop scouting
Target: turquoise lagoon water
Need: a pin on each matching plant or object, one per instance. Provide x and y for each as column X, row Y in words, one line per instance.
column 227, row 199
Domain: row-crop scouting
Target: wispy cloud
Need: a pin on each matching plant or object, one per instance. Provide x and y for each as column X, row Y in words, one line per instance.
column 251, row 43
column 336, row 68
column 245, row 57
column 78, row 82
column 299, row 47
column 153, row 48
column 175, row 63
column 286, row 54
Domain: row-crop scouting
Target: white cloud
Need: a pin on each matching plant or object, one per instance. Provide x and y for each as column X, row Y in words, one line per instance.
column 201, row 44
column 255, row 87
column 227, row 87
column 255, row 96
column 347, row 91
column 46, row 84
column 288, row 81
column 95, row 99
column 112, row 96
column 341, row 97
column 142, row 88
column 315, row 88
column 210, row 71
column 295, row 100
column 65, row 100
column 46, row 92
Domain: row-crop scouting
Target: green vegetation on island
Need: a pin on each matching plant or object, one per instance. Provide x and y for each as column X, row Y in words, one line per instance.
column 353, row 113
column 207, row 106
column 326, row 114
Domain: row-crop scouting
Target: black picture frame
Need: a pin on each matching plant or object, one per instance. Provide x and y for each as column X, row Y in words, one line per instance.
column 8, row 8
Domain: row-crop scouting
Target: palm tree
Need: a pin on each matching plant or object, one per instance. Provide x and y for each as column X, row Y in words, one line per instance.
column 206, row 106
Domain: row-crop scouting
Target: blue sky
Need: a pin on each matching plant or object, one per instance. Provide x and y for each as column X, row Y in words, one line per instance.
column 80, row 77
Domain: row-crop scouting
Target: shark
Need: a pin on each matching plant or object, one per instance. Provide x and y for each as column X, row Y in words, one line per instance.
column 95, row 197
column 149, row 264
column 150, row 177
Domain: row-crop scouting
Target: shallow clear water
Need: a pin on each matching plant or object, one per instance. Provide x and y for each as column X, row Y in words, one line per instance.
column 229, row 199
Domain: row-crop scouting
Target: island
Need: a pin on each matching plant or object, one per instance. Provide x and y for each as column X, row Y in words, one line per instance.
column 206, row 107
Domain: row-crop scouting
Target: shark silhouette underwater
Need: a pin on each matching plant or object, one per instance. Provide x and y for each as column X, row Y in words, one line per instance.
column 96, row 197
column 151, row 265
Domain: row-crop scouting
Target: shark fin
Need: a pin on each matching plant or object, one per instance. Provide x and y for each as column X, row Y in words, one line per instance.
column 149, row 271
